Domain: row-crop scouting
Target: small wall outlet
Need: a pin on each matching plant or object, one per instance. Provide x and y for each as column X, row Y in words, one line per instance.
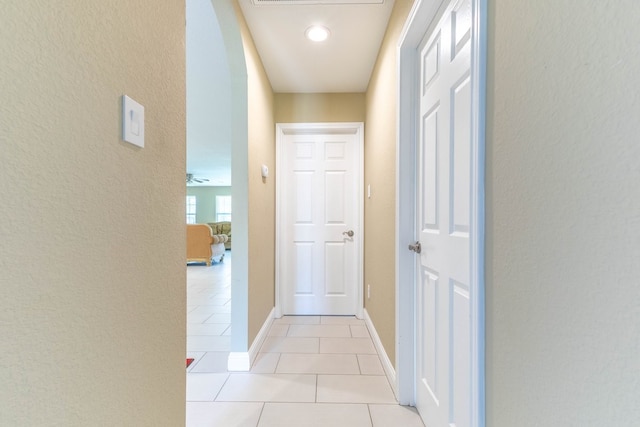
column 368, row 291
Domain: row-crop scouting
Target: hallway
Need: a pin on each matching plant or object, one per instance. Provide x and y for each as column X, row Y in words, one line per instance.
column 311, row 370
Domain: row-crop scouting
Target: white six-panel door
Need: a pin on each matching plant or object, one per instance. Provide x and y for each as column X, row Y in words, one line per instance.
column 443, row 329
column 319, row 236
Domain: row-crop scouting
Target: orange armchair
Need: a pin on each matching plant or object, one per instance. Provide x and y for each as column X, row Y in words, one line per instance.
column 203, row 245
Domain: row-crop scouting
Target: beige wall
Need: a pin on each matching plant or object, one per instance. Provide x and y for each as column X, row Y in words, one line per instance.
column 261, row 193
column 563, row 214
column 92, row 293
column 206, row 201
column 380, row 173
column 319, row 107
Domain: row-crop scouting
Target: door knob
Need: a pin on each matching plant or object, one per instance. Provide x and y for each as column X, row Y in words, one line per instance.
column 416, row 247
column 348, row 233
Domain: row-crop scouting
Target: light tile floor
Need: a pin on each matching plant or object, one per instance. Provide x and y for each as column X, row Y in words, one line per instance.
column 311, row 370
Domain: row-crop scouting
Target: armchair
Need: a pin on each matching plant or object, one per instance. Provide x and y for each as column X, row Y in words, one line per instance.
column 203, row 245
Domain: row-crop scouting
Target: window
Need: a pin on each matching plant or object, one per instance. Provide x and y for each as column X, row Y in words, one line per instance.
column 223, row 208
column 191, row 209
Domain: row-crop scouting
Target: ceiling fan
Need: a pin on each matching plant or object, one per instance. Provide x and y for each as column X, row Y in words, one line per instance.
column 191, row 179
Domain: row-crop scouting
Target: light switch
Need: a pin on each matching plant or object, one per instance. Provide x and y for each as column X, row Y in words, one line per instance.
column 132, row 121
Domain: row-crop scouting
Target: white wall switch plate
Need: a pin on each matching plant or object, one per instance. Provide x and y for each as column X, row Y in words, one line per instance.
column 132, row 121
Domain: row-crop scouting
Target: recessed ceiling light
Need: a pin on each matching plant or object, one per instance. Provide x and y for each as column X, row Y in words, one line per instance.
column 317, row 33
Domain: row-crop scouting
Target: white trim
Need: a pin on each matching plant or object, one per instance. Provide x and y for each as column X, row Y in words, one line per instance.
column 405, row 216
column 421, row 15
column 389, row 370
column 239, row 361
column 228, row 24
column 242, row 361
column 477, row 279
column 356, row 128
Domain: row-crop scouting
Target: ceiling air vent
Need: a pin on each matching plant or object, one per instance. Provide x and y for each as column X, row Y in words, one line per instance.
column 311, row 2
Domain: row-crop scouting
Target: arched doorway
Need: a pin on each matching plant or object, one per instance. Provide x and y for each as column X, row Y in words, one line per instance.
column 217, row 120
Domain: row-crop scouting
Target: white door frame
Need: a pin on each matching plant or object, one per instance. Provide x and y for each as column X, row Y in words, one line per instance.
column 420, row 17
column 356, row 128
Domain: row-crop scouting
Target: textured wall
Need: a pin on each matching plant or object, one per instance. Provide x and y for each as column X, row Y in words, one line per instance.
column 380, row 173
column 92, row 278
column 563, row 214
column 319, row 107
column 262, row 194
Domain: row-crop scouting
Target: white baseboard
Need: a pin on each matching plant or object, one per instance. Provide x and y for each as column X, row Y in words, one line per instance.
column 242, row 361
column 262, row 335
column 388, row 367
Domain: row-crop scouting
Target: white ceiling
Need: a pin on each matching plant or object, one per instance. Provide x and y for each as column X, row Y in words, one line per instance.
column 293, row 64
column 342, row 63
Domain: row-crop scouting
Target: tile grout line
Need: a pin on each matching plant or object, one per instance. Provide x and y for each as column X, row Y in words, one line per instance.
column 370, row 416
column 261, row 412
column 223, row 384
column 275, row 370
